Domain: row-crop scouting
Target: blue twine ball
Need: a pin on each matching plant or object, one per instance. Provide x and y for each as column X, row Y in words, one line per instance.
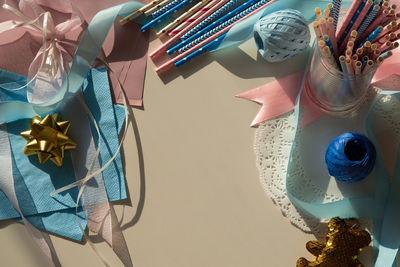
column 350, row 157
column 281, row 35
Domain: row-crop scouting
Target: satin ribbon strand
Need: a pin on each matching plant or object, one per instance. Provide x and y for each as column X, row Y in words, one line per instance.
column 85, row 180
column 44, row 49
column 50, row 54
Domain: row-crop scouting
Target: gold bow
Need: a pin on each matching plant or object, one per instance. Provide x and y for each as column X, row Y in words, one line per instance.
column 47, row 138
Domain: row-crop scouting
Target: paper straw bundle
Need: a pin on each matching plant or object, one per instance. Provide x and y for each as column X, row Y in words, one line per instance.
column 365, row 38
column 200, row 28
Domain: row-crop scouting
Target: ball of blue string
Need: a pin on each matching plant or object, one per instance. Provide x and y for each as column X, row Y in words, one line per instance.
column 281, row 35
column 350, row 157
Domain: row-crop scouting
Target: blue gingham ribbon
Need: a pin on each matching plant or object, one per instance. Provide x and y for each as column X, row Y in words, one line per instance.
column 222, row 10
column 223, row 25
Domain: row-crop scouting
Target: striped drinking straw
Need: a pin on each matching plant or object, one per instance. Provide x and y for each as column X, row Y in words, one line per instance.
column 367, row 21
column 356, row 24
column 182, row 17
column 191, row 19
column 221, row 11
column 223, row 25
column 157, row 7
column 214, row 24
column 335, row 11
column 165, row 8
column 175, row 38
column 167, row 65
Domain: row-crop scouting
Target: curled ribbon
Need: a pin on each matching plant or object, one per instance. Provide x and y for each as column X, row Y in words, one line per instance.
column 52, row 62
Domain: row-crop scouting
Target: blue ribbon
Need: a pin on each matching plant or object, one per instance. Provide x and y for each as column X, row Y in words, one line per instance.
column 86, row 53
column 383, row 207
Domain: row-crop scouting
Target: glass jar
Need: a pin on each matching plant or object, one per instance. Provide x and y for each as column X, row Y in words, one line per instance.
column 334, row 91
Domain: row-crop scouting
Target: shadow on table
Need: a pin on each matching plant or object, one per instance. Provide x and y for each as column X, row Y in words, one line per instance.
column 142, row 191
column 236, row 61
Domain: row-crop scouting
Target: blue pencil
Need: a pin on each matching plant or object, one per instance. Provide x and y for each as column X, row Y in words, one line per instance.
column 164, row 15
column 212, row 25
column 211, row 45
column 221, row 11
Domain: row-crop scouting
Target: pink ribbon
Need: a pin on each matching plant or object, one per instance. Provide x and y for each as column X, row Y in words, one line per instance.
column 278, row 97
column 46, row 74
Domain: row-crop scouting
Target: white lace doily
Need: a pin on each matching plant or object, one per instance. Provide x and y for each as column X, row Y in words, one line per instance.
column 273, row 142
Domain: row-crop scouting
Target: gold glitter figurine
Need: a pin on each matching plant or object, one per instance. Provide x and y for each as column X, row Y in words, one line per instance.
column 47, row 138
column 343, row 243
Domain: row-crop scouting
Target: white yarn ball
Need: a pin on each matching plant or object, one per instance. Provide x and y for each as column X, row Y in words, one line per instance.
column 281, row 35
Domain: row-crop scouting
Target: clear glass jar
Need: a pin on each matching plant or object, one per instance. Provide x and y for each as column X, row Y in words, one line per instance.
column 334, row 91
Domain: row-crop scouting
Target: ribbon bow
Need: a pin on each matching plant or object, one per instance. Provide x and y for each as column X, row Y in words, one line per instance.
column 52, row 62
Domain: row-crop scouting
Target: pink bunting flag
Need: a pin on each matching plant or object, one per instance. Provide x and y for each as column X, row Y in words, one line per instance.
column 279, row 97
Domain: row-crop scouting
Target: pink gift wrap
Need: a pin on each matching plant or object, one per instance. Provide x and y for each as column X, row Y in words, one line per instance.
column 125, row 49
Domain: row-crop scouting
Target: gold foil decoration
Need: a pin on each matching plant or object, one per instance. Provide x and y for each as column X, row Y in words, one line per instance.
column 343, row 243
column 47, row 138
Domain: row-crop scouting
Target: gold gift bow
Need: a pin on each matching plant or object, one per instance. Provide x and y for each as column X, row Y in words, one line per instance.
column 47, row 138
column 82, row 183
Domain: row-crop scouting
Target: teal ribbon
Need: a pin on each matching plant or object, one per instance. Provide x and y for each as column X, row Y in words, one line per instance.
column 383, row 207
column 86, row 53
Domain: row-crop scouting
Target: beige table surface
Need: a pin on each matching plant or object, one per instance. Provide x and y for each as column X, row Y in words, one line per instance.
column 196, row 195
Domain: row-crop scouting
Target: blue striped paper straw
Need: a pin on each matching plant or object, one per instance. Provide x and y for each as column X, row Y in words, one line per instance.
column 212, row 25
column 211, row 45
column 386, row 54
column 336, row 11
column 165, row 8
column 353, row 19
column 222, row 10
column 223, row 25
column 372, row 35
column 164, row 15
column 328, row 43
column 364, row 62
column 367, row 21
